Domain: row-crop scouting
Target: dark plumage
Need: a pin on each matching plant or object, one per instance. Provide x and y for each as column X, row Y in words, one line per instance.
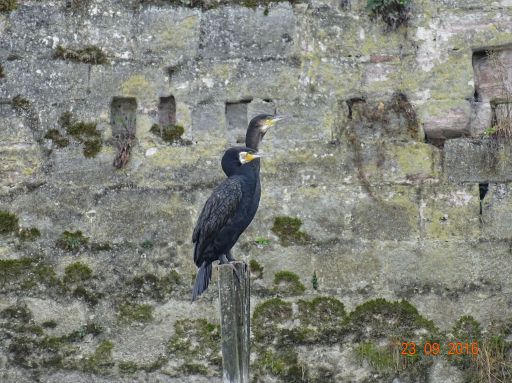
column 225, row 215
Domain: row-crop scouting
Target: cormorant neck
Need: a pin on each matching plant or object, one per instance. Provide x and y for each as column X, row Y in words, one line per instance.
column 253, row 137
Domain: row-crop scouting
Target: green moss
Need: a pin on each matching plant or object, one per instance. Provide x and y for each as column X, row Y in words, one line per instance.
column 28, row 234
column 321, row 321
column 89, row 55
column 393, row 12
column 467, row 329
column 147, row 244
column 57, row 138
column 92, row 148
column 128, row 368
column 84, row 132
column 101, row 361
column 190, row 368
column 256, row 268
column 194, row 341
column 87, row 295
column 380, row 318
column 103, row 246
column 8, row 5
column 131, row 312
column 380, row 359
column 169, row 133
column 49, row 324
column 8, row 222
column 268, row 317
column 2, row 73
column 72, row 241
column 81, row 129
column 287, row 229
column 77, row 272
column 288, row 283
column 20, row 313
column 26, row 274
column 152, row 287
column 282, row 364
column 20, row 104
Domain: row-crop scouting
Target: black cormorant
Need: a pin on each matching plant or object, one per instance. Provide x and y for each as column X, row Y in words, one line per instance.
column 225, row 215
column 256, row 130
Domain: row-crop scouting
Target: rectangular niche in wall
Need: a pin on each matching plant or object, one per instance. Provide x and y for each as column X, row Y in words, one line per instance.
column 236, row 120
column 122, row 119
column 167, row 111
column 123, row 116
column 493, row 73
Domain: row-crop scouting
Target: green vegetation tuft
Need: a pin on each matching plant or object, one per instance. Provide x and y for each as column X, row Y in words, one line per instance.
column 2, row 73
column 314, row 281
column 89, row 55
column 380, row 318
column 20, row 104
column 26, row 274
column 288, row 231
column 28, row 234
column 101, row 361
column 57, row 138
column 170, row 133
column 393, row 12
column 256, row 268
column 268, row 317
column 262, row 241
column 19, row 313
column 84, row 132
column 196, row 340
column 8, row 5
column 49, row 324
column 131, row 312
column 380, row 359
column 77, row 272
column 128, row 368
column 152, row 287
column 72, row 241
column 8, row 222
column 87, row 295
column 288, row 283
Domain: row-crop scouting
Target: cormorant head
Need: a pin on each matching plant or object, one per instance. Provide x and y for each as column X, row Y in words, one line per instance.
column 258, row 127
column 235, row 157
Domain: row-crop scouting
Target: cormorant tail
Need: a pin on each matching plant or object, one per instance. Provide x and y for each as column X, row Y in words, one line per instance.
column 203, row 277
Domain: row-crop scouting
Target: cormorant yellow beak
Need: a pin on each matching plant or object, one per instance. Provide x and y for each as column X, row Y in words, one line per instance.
column 271, row 121
column 252, row 156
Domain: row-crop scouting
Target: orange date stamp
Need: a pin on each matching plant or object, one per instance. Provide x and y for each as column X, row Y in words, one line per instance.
column 436, row 348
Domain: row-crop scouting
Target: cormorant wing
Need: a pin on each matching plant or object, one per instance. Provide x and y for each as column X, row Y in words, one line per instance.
column 217, row 210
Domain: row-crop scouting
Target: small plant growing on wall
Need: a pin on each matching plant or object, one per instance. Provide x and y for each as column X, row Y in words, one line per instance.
column 393, row 12
column 499, row 134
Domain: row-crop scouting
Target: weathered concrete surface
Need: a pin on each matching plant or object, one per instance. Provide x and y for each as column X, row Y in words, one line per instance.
column 382, row 213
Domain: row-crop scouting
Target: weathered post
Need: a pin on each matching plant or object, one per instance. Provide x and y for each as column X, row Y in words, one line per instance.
column 234, row 300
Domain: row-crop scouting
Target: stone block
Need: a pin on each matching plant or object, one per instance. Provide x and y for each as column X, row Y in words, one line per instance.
column 450, row 211
column 167, row 35
column 161, row 215
column 497, row 212
column 477, row 160
column 446, row 119
column 21, row 155
column 241, row 32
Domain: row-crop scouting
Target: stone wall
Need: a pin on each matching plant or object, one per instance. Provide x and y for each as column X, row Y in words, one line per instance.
column 379, row 186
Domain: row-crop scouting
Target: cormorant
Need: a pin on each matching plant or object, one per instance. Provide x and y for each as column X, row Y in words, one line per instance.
column 225, row 215
column 256, row 130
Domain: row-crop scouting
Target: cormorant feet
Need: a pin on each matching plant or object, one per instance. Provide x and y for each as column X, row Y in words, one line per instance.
column 223, row 260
